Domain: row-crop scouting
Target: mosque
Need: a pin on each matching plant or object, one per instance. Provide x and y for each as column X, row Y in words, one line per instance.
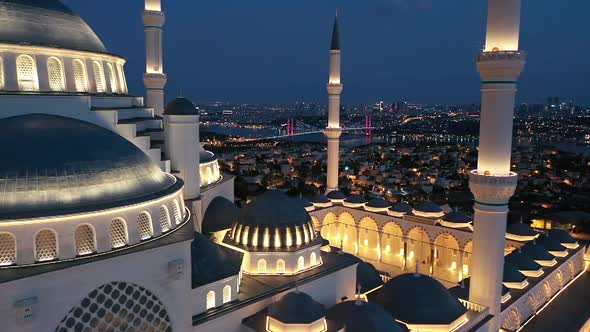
column 114, row 218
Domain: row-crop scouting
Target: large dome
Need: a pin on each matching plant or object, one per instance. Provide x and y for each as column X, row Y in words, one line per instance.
column 46, row 23
column 54, row 165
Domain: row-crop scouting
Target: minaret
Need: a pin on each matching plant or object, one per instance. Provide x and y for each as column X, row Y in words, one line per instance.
column 333, row 130
column 154, row 78
column 492, row 183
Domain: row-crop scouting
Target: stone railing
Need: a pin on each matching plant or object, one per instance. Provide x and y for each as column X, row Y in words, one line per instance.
column 471, row 306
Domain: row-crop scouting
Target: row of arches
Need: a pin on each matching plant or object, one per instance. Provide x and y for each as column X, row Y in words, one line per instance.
column 211, row 298
column 46, row 241
column 415, row 250
column 107, row 79
column 280, row 267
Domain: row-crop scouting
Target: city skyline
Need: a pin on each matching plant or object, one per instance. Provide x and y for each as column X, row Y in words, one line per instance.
column 231, row 48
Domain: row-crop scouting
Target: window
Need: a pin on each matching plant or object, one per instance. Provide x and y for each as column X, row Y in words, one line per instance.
column 85, row 240
column 176, row 212
column 226, row 294
column 118, row 233
column 80, row 76
column 122, row 78
column 7, row 249
column 1, row 74
column 98, row 77
column 280, row 266
column 210, row 300
column 112, row 78
column 26, row 72
column 55, row 73
column 301, row 263
column 144, row 226
column 312, row 259
column 45, row 245
column 261, row 266
column 164, row 219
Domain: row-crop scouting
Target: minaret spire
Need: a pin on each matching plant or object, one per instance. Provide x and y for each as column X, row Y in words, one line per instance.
column 154, row 78
column 492, row 183
column 333, row 130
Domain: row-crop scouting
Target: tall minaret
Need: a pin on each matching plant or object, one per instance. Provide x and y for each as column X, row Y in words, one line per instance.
column 333, row 130
column 492, row 183
column 154, row 78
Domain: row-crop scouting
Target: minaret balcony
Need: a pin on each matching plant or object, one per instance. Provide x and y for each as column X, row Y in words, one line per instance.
column 493, row 190
column 501, row 55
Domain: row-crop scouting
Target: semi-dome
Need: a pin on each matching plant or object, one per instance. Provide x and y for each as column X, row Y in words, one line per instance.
column 211, row 262
column 220, row 215
column 296, row 308
column 181, row 106
column 418, row 299
column 357, row 316
column 55, row 165
column 46, row 23
column 276, row 217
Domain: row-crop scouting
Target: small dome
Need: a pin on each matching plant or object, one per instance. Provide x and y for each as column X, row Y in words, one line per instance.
column 276, row 216
column 71, row 166
column 211, row 262
column 46, row 23
column 550, row 243
column 355, row 199
column 319, row 199
column 367, row 277
column 220, row 215
column 378, row 203
column 296, row 308
column 204, row 155
column 522, row 262
column 561, row 235
column 521, row 229
column 181, row 106
column 511, row 274
column 363, row 317
column 428, row 207
column 457, row 217
column 303, row 201
column 536, row 252
column 461, row 291
column 401, row 207
column 419, row 299
column 336, row 194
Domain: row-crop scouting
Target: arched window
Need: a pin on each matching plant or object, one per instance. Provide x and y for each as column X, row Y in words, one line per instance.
column 55, row 72
column 118, row 233
column 98, row 77
column 144, row 225
column 226, row 294
column 280, row 266
column 176, row 212
column 7, row 249
column 45, row 245
column 210, row 300
column 164, row 219
column 112, row 78
column 85, row 240
column 1, row 74
column 26, row 72
column 122, row 81
column 301, row 263
column 312, row 259
column 80, row 77
column 261, row 266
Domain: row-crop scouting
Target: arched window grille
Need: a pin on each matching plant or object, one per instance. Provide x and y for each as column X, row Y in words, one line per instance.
column 85, row 240
column 112, row 78
column 45, row 245
column 7, row 249
column 55, row 72
column 26, row 72
column 80, row 77
column 261, row 266
column 176, row 212
column 210, row 300
column 144, row 226
column 118, row 233
column 280, row 266
column 1, row 74
column 226, row 294
column 301, row 263
column 312, row 259
column 98, row 77
column 164, row 219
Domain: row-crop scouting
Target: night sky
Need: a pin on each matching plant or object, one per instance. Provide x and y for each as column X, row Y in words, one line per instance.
column 270, row 51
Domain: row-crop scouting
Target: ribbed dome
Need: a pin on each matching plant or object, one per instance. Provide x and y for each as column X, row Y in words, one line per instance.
column 276, row 217
column 296, row 308
column 57, row 165
column 181, row 106
column 419, row 299
column 363, row 317
column 46, row 23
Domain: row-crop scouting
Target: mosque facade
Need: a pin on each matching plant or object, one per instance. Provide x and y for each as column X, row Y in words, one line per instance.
column 113, row 217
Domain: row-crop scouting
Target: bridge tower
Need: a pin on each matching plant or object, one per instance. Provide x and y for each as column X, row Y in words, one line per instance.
column 492, row 183
column 333, row 130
